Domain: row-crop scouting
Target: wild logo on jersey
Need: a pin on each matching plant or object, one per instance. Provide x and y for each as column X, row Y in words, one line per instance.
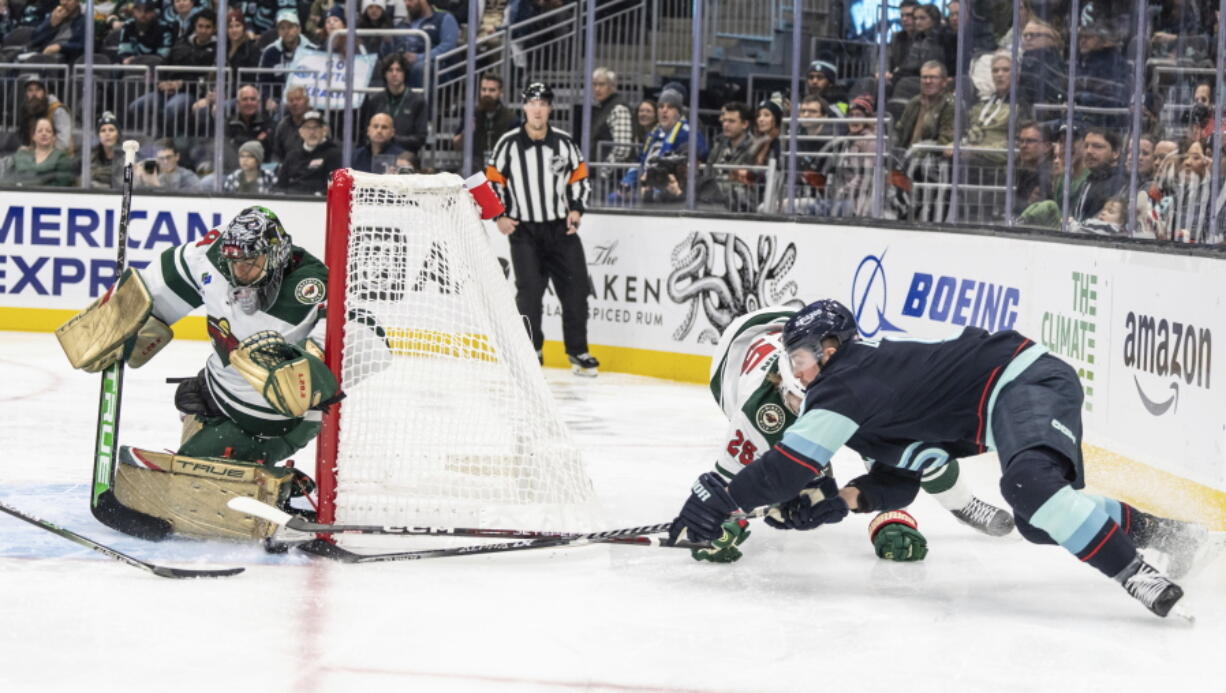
column 770, row 418
column 309, row 291
column 223, row 341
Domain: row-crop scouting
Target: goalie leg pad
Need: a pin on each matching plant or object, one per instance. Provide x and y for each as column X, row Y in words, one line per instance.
column 292, row 380
column 95, row 338
column 191, row 492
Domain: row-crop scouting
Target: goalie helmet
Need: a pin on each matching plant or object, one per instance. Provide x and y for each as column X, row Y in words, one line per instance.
column 255, row 232
column 817, row 321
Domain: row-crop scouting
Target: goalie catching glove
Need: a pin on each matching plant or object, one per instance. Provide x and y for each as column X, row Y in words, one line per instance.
column 292, row 380
column 895, row 536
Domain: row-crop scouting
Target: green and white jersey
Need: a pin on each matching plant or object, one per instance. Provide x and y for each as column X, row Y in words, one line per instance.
column 744, row 381
column 189, row 276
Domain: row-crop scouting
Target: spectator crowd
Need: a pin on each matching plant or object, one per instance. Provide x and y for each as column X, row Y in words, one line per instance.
column 995, row 131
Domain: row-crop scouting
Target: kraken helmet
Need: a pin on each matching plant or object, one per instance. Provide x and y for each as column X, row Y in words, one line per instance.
column 817, row 321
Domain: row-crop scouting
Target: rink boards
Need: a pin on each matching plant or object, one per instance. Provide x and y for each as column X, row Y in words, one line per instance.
column 1138, row 326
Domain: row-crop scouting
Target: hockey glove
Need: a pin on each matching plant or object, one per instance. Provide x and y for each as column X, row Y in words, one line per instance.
column 802, row 513
column 814, row 492
column 708, row 506
column 895, row 536
column 724, row 549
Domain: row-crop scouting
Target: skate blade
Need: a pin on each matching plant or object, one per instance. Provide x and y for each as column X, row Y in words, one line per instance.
column 584, row 372
column 1181, row 615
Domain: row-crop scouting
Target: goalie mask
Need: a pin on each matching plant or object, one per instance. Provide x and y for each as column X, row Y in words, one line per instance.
column 254, row 252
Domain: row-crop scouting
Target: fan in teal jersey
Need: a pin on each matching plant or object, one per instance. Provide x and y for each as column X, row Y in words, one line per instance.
column 761, row 400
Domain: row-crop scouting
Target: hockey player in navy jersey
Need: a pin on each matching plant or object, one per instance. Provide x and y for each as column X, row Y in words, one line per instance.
column 753, row 383
column 973, row 393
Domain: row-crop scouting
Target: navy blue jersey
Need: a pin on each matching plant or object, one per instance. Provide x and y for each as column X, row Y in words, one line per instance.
column 879, row 397
column 917, row 390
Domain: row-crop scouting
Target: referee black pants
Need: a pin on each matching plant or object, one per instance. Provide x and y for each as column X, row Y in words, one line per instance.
column 541, row 252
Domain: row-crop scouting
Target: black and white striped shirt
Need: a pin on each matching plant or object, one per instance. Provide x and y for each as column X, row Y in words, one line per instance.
column 538, row 180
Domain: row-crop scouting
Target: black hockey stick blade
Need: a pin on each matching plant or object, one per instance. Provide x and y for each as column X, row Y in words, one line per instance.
column 110, row 512
column 159, row 570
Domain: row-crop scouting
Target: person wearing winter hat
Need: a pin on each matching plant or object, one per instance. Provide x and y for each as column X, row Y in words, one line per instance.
column 768, row 121
column 106, row 159
column 822, row 80
column 661, row 169
column 250, row 176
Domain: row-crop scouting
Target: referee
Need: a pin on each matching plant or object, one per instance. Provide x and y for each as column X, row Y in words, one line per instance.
column 542, row 179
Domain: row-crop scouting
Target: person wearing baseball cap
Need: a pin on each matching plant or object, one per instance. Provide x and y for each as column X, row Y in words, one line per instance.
column 306, row 169
column 280, row 53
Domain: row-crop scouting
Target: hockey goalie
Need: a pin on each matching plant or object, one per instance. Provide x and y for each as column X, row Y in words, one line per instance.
column 258, row 398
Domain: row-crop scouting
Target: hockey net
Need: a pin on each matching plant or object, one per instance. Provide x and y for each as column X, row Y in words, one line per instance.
column 447, row 421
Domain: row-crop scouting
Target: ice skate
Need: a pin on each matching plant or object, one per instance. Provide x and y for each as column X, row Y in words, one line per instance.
column 1183, row 543
column 1151, row 588
column 985, row 517
column 583, row 364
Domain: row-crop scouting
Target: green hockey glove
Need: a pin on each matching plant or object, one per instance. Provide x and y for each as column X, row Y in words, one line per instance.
column 895, row 536
column 724, row 548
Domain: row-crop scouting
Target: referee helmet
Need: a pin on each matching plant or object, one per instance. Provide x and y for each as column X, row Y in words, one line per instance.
column 537, row 90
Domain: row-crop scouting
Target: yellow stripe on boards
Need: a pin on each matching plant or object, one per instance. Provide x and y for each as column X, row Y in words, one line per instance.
column 48, row 319
column 686, row 368
column 1153, row 490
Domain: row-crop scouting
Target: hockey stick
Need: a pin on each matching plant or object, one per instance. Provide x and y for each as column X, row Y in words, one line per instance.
column 102, row 503
column 255, row 508
column 159, row 570
column 319, row 547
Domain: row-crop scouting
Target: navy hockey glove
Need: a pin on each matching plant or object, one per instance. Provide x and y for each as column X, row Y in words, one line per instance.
column 704, row 512
column 807, row 511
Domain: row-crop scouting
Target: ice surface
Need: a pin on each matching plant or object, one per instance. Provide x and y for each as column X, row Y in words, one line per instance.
column 803, row 611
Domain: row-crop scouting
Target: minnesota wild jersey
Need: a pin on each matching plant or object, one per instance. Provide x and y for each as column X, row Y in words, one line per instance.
column 189, row 276
column 744, row 381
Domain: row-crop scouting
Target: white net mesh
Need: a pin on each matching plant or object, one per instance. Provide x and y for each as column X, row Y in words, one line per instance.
column 448, row 421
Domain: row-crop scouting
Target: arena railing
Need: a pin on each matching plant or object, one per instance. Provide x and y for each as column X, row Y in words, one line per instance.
column 1075, row 94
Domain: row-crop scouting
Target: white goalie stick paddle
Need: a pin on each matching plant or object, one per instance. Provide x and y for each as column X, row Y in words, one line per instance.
column 159, row 570
column 524, row 539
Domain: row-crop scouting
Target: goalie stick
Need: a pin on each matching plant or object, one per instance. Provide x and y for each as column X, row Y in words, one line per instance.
column 102, row 502
column 159, row 570
column 264, row 511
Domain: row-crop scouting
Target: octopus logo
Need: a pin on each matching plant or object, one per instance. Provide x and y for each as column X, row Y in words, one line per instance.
column 869, row 291
column 721, row 275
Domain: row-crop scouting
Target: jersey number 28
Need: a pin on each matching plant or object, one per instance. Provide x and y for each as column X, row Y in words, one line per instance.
column 744, row 451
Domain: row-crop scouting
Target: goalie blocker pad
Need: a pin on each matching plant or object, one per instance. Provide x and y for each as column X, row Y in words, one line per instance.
column 190, row 493
column 120, row 324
